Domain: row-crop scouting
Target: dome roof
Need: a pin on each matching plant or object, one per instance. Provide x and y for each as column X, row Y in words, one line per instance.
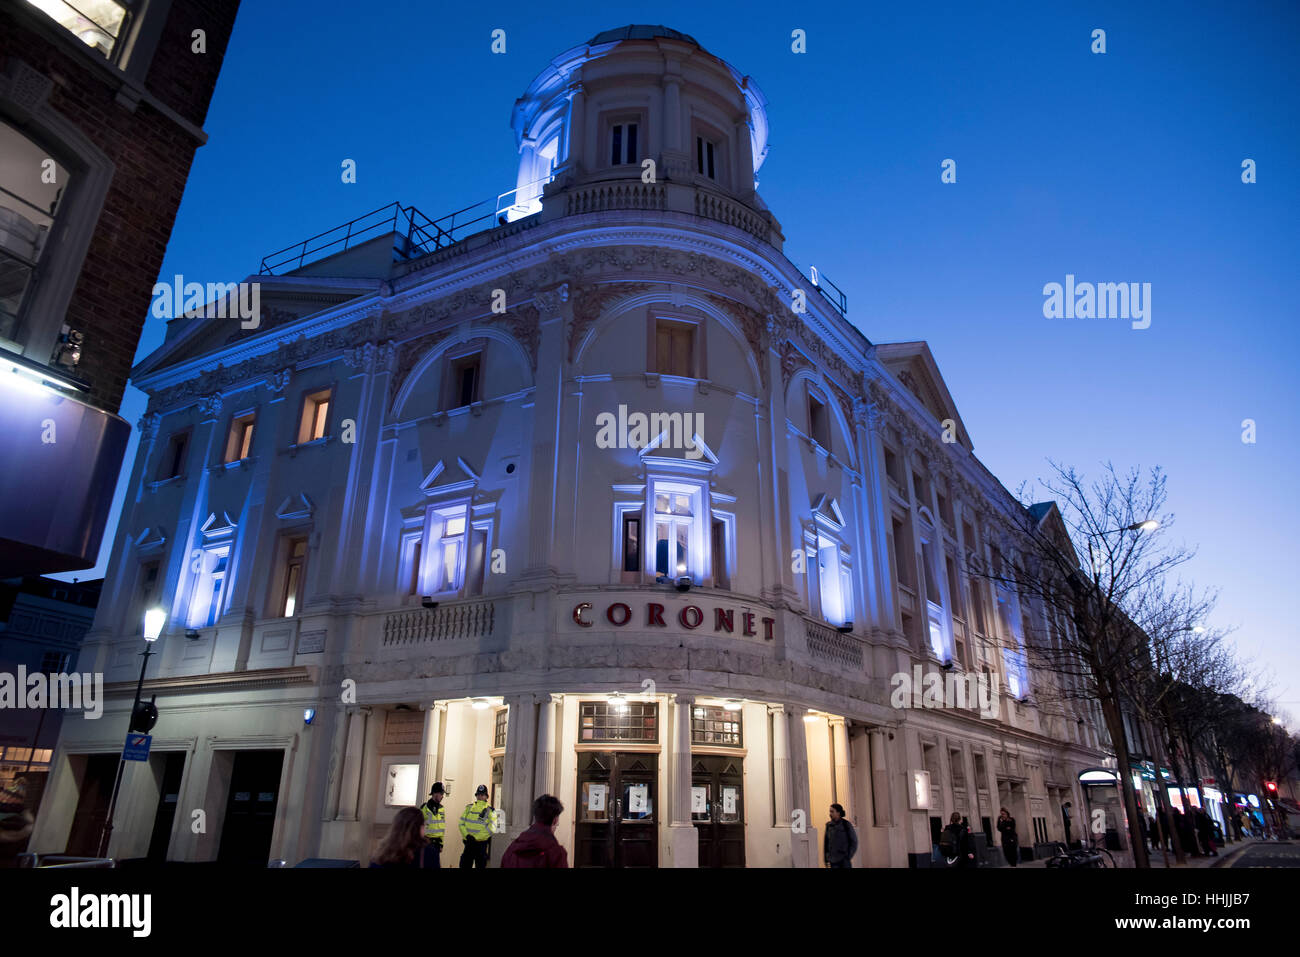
column 640, row 31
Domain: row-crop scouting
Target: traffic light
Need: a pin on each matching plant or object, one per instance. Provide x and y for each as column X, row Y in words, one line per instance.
column 144, row 717
column 1270, row 787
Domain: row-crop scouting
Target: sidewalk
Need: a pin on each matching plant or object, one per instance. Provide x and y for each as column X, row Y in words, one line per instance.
column 1125, row 859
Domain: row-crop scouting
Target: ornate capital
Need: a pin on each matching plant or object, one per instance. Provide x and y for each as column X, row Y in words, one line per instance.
column 548, row 300
column 277, row 382
column 210, row 404
column 148, row 425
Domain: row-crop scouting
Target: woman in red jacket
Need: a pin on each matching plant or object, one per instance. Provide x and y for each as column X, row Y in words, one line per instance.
column 537, row 846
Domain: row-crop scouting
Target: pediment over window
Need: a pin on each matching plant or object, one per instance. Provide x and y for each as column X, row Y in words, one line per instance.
column 446, row 479
column 150, row 538
column 912, row 364
column 669, row 450
column 216, row 528
column 295, row 507
column 827, row 509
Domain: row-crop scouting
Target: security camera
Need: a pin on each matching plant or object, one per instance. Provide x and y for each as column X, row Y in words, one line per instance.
column 947, row 665
column 428, row 602
column 846, row 627
column 192, row 634
column 684, row 583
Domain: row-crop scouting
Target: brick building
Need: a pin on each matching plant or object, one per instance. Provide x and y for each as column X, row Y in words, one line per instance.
column 101, row 112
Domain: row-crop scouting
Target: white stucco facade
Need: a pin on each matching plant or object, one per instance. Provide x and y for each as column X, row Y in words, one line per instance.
column 425, row 518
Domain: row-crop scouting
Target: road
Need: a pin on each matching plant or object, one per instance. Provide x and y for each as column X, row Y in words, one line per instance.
column 1270, row 854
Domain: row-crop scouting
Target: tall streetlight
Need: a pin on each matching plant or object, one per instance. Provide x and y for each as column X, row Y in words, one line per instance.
column 142, row 716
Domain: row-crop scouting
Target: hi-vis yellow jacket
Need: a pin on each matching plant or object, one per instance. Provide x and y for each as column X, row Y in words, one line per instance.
column 476, row 821
column 435, row 822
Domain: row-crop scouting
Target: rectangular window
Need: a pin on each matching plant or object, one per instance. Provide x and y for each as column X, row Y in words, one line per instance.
column 675, row 530
column 721, row 567
column 715, row 727
column 622, row 139
column 209, row 586
column 465, row 375
column 631, row 542
column 619, row 721
column 932, row 592
column 902, row 554
column 315, row 416
column 832, row 581
column 447, row 540
column 499, row 727
column 96, row 23
column 951, row 569
column 240, row 442
column 892, row 469
column 295, row 556
column 31, row 186
column 54, row 662
column 172, row 464
column 675, row 348
column 476, row 569
column 977, row 607
column 704, row 157
column 818, row 424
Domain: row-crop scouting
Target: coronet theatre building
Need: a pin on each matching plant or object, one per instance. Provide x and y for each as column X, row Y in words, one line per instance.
column 390, row 509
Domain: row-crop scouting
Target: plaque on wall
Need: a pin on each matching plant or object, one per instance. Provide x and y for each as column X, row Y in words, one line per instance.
column 311, row 642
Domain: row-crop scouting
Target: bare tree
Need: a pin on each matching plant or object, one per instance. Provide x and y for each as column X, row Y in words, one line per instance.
column 1085, row 553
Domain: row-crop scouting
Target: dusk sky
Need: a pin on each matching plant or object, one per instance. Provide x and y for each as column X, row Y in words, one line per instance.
column 1117, row 167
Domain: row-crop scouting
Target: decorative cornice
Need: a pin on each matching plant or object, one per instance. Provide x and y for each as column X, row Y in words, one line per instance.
column 223, row 681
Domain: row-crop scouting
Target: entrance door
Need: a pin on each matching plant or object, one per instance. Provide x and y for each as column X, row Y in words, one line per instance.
column 618, row 814
column 88, row 820
column 721, row 823
column 173, row 768
column 250, row 809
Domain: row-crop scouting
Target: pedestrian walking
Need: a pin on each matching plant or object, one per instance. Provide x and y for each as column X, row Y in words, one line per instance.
column 1153, row 830
column 1237, row 828
column 840, row 842
column 476, row 830
column 1010, row 841
column 435, row 825
column 537, row 846
column 1205, row 831
column 403, row 846
column 956, row 843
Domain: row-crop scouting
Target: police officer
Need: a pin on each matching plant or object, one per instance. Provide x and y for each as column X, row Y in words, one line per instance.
column 435, row 825
column 476, row 830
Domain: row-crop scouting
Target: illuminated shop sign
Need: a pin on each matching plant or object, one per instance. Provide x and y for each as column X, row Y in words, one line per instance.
column 652, row 614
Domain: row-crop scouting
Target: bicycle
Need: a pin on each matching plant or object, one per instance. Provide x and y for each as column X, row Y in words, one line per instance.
column 1091, row 856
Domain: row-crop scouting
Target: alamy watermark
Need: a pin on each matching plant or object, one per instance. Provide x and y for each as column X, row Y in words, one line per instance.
column 81, row 692
column 678, row 430
column 941, row 690
column 1103, row 300
column 216, row 300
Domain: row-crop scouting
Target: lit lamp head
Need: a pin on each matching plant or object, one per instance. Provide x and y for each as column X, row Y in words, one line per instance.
column 1150, row 525
column 154, row 619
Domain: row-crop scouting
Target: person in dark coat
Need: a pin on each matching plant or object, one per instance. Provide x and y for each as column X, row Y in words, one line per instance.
column 1205, row 831
column 1153, row 830
column 1186, row 833
column 841, row 841
column 1237, row 828
column 957, row 844
column 1010, row 842
column 537, row 846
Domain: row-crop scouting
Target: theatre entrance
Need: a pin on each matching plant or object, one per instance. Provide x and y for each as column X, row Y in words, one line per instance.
column 618, row 810
column 718, row 810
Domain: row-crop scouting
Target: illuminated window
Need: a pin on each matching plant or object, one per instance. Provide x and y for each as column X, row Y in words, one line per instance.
column 209, row 585
column 631, row 542
column 239, row 444
column 295, row 556
column 715, row 726
column 621, row 721
column 96, row 23
column 834, row 581
column 679, row 529
column 675, row 348
column 315, row 416
column 622, row 144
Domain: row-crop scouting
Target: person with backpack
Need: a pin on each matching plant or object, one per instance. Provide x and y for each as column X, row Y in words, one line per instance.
column 1010, row 842
column 840, row 842
column 537, row 846
column 956, row 843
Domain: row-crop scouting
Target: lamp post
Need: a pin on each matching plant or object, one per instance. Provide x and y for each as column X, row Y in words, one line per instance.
column 154, row 619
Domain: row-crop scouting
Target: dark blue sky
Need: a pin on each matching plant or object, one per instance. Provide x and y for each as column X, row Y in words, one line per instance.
column 1117, row 167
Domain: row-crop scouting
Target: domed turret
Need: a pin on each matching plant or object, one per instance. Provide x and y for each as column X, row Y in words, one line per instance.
column 636, row 102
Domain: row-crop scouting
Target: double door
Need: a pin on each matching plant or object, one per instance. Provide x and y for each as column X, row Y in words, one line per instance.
column 718, row 809
column 618, row 810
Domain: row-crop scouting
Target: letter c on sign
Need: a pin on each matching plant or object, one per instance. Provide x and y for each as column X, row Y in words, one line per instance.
column 609, row 613
column 685, row 616
column 577, row 614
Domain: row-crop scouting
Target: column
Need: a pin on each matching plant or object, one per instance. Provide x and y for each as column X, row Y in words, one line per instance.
column 683, row 841
column 517, row 768
column 783, row 783
column 805, row 847
column 555, row 311
column 429, row 739
column 883, row 805
column 544, row 772
column 843, row 786
column 350, row 787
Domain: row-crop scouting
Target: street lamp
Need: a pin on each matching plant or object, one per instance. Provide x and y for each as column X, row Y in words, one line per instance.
column 1149, row 525
column 142, row 717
